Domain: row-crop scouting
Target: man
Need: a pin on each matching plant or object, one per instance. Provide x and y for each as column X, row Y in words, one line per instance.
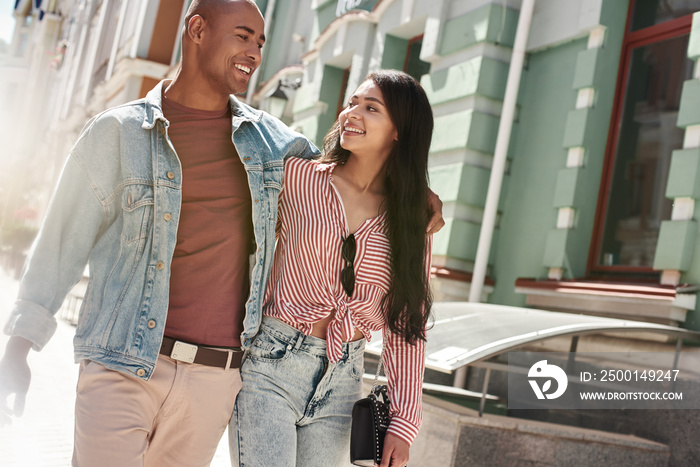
column 158, row 200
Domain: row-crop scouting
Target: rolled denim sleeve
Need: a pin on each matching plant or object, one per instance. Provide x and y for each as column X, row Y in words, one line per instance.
column 58, row 256
column 301, row 147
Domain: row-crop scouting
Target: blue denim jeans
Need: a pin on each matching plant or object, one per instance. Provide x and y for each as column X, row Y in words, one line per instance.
column 295, row 407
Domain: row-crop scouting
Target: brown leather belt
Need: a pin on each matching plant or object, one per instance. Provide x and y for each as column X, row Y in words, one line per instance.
column 193, row 353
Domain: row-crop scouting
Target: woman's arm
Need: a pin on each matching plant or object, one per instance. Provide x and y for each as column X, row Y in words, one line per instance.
column 404, row 367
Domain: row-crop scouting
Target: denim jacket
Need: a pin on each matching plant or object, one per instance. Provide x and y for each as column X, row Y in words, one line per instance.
column 117, row 207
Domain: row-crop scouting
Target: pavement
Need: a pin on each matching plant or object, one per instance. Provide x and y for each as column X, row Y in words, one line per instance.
column 43, row 436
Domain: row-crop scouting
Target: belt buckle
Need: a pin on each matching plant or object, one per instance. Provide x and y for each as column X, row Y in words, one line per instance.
column 184, row 352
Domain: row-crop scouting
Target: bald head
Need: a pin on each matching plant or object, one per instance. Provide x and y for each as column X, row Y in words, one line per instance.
column 211, row 8
column 211, row 11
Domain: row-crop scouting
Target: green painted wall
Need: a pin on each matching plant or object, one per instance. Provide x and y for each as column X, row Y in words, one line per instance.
column 547, row 97
column 273, row 48
column 470, row 130
column 316, row 127
column 490, row 23
column 479, row 76
column 262, row 5
column 466, row 129
column 462, row 183
column 324, row 15
column 330, row 94
column 394, row 54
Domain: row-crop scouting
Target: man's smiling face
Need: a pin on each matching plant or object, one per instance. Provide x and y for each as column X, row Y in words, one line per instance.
column 231, row 45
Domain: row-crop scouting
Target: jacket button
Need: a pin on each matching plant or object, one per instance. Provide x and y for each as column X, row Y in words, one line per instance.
column 151, row 324
column 140, row 372
column 171, row 175
column 160, row 265
column 167, row 216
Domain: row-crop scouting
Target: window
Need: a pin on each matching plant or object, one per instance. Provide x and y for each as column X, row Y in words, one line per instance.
column 643, row 135
column 343, row 91
column 413, row 65
column 404, row 54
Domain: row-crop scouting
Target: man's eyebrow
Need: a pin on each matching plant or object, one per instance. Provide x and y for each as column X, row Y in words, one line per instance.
column 251, row 32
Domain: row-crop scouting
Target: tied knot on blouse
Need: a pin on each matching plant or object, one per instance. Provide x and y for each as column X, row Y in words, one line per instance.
column 340, row 330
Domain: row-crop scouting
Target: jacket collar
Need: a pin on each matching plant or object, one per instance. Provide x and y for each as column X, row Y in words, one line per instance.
column 154, row 108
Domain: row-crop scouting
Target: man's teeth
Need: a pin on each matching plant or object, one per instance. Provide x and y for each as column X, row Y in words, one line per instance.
column 243, row 68
column 354, row 130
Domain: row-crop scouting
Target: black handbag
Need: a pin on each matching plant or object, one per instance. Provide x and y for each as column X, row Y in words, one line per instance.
column 370, row 419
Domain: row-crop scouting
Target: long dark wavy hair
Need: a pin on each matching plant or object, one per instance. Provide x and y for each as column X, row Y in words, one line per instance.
column 407, row 305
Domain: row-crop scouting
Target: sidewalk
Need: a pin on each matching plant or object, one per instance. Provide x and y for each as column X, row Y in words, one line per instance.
column 43, row 436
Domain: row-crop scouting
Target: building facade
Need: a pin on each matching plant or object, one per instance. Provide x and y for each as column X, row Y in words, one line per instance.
column 597, row 211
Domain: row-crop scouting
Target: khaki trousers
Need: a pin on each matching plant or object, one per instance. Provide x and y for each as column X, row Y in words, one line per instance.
column 174, row 419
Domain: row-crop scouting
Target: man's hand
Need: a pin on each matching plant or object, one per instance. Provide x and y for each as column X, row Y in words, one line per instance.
column 15, row 377
column 395, row 453
column 436, row 223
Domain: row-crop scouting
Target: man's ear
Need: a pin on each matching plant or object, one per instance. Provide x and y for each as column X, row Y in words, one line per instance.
column 195, row 27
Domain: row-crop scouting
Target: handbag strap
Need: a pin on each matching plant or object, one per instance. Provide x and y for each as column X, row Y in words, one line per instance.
column 379, row 366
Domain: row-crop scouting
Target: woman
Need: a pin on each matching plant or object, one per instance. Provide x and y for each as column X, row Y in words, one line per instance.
column 352, row 257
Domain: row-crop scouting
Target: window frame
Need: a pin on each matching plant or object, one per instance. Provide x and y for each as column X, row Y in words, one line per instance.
column 343, row 90
column 632, row 40
column 411, row 41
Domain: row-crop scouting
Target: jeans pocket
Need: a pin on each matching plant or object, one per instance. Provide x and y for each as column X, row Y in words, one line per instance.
column 268, row 348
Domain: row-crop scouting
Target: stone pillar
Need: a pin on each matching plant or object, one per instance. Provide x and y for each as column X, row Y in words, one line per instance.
column 565, row 195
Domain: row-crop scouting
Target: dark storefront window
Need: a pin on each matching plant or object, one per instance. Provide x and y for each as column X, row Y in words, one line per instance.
column 642, row 138
column 646, row 13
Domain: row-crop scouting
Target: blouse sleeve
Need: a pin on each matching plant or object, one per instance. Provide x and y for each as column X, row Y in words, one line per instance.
column 404, row 366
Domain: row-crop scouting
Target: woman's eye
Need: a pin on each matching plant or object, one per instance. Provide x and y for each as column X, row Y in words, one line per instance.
column 371, row 109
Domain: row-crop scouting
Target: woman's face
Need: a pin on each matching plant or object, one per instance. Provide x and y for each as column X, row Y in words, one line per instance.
column 366, row 127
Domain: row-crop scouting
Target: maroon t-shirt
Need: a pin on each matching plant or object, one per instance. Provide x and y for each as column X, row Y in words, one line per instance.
column 209, row 274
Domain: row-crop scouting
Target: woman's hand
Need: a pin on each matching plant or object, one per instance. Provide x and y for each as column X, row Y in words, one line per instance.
column 436, row 222
column 395, row 452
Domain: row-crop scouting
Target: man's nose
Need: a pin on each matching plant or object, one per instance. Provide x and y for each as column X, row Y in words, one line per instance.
column 254, row 53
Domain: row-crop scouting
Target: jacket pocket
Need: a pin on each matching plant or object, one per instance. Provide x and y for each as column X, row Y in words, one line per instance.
column 137, row 213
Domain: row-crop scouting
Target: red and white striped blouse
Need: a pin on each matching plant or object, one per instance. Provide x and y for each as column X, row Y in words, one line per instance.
column 305, row 285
